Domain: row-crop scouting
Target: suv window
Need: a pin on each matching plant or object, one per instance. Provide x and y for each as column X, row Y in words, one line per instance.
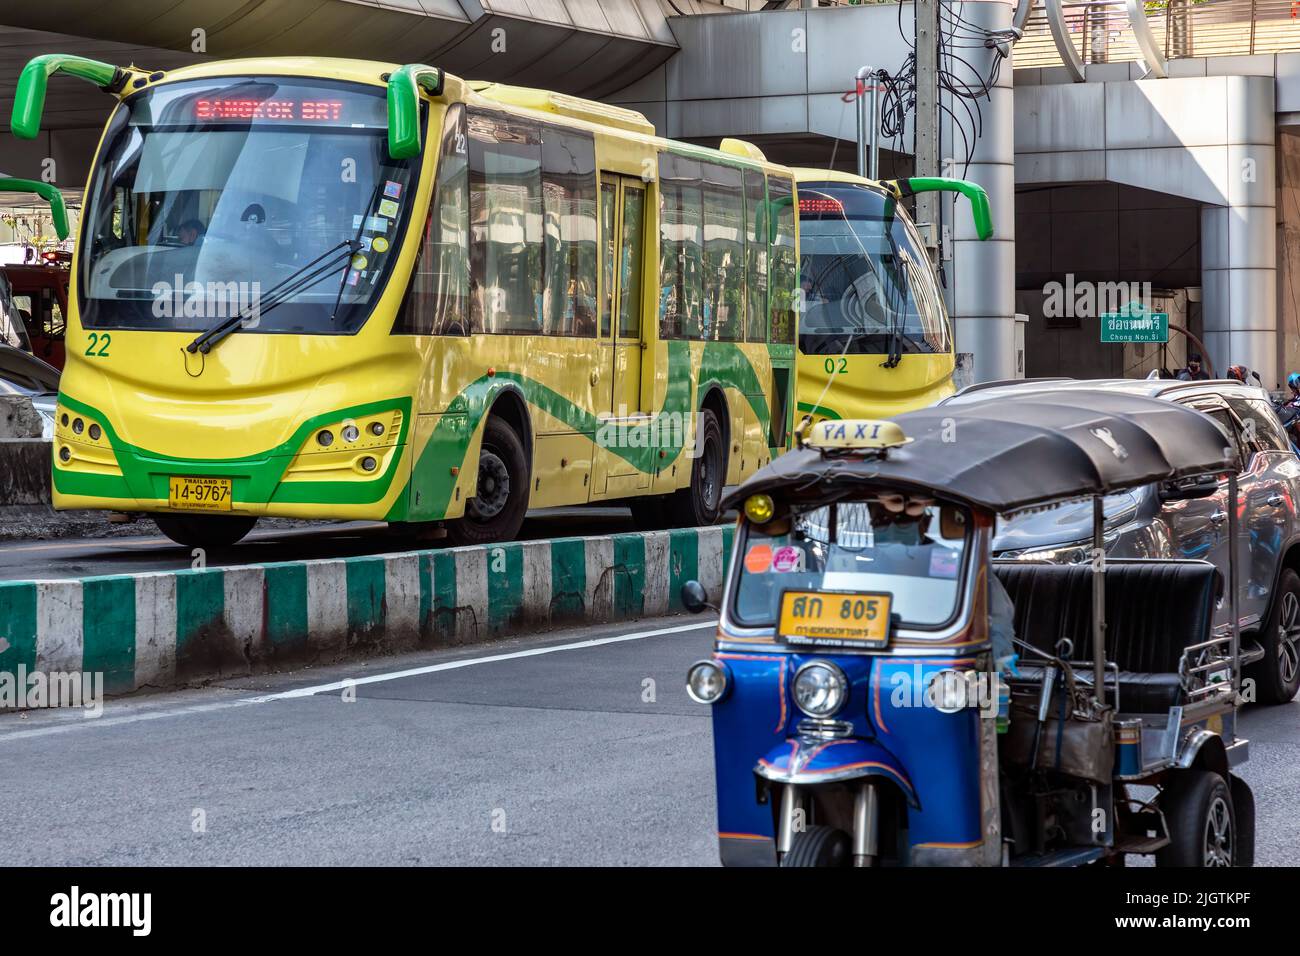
column 1261, row 423
column 1229, row 422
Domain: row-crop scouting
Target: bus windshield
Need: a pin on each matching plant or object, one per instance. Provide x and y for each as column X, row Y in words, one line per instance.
column 209, row 194
column 857, row 546
column 866, row 277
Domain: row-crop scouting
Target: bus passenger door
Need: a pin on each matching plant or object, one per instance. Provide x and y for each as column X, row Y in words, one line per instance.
column 627, row 328
column 623, row 207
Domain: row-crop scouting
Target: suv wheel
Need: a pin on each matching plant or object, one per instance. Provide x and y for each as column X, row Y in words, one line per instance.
column 1277, row 676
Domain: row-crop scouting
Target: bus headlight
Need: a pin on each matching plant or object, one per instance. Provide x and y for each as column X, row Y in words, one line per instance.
column 820, row 688
column 706, row 682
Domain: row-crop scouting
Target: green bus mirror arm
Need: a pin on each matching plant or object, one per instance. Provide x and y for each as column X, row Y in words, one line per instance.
column 29, row 98
column 404, row 86
column 48, row 192
column 772, row 219
column 979, row 199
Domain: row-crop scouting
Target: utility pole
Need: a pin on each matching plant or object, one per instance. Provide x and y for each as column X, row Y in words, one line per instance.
column 927, row 109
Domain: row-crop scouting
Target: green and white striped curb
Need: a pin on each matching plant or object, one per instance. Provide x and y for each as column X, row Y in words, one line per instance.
column 172, row 628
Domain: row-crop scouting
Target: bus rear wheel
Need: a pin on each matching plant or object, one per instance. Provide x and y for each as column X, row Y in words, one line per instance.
column 204, row 531
column 699, row 503
column 496, row 512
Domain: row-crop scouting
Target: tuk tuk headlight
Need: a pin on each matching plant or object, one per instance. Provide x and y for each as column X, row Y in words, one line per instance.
column 706, row 682
column 760, row 508
column 820, row 688
column 948, row 691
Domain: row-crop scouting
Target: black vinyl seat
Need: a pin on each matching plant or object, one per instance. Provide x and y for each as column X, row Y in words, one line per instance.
column 1154, row 610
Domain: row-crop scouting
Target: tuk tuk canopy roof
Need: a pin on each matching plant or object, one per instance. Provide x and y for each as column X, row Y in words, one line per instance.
column 1005, row 455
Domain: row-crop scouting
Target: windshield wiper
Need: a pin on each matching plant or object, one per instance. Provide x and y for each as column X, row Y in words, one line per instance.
column 301, row 278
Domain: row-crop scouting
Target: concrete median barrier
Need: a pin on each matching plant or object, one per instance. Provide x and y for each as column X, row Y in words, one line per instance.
column 171, row 629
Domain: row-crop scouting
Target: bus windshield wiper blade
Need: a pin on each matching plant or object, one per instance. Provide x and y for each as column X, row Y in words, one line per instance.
column 295, row 282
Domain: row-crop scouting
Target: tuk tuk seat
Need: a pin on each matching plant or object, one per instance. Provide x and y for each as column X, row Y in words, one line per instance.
column 1155, row 609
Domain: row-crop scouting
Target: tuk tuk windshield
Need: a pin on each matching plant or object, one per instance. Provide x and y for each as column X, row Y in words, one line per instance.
column 873, row 546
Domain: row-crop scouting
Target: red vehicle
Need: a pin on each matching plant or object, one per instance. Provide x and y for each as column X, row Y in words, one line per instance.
column 39, row 294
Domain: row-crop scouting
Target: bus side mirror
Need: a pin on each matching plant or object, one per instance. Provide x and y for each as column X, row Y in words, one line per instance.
column 694, row 598
column 979, row 199
column 48, row 192
column 29, row 96
column 404, row 85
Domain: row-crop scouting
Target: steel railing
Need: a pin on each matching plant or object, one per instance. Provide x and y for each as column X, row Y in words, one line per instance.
column 1101, row 32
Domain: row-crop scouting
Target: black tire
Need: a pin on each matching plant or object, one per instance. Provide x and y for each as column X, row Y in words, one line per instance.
column 698, row 504
column 497, row 510
column 1202, row 824
column 1277, row 676
column 1243, row 809
column 204, row 531
column 819, row 846
column 649, row 514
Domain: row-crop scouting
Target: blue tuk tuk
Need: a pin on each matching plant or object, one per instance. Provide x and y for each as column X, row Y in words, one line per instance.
column 884, row 693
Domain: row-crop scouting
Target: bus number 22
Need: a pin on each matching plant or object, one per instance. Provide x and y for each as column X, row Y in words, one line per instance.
column 98, row 340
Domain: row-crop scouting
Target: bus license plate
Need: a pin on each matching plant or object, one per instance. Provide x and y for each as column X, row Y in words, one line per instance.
column 199, row 494
column 835, row 618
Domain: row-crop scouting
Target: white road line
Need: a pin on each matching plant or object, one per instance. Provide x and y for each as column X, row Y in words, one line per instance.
column 72, row 723
column 470, row 662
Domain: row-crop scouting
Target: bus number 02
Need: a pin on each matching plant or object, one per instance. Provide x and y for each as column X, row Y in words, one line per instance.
column 831, row 368
column 100, row 340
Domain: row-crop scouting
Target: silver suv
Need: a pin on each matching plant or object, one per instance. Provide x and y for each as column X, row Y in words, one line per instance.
column 1192, row 522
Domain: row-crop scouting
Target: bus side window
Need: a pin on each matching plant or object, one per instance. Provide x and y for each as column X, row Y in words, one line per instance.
column 436, row 296
column 785, row 264
column 569, row 200
column 608, row 195
column 756, row 255
column 505, row 201
column 724, row 253
column 681, row 228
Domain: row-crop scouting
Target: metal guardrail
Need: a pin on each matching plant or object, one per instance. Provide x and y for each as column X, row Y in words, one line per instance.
column 1101, row 31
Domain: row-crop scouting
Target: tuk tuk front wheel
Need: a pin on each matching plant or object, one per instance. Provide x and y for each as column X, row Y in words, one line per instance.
column 819, row 846
column 1202, row 824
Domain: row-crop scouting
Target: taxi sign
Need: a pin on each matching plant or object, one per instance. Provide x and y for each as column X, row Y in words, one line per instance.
column 849, row 434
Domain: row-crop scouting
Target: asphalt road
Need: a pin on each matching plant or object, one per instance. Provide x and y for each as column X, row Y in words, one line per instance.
column 560, row 754
column 134, row 551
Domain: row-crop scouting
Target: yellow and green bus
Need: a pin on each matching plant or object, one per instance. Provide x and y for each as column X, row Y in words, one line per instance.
column 338, row 289
column 875, row 339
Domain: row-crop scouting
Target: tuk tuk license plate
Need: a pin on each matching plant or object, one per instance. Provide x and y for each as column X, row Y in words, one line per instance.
column 199, row 494
column 835, row 619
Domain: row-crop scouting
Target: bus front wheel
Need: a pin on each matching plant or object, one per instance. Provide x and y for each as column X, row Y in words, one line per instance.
column 698, row 504
column 496, row 512
column 204, row 531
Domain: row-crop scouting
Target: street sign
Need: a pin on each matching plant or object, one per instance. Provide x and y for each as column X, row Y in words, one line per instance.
column 1134, row 323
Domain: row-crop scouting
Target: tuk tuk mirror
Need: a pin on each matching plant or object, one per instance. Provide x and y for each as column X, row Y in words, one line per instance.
column 952, row 522
column 694, row 598
column 1188, row 489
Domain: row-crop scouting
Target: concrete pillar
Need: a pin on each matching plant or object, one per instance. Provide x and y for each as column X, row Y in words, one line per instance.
column 1239, row 287
column 983, row 273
